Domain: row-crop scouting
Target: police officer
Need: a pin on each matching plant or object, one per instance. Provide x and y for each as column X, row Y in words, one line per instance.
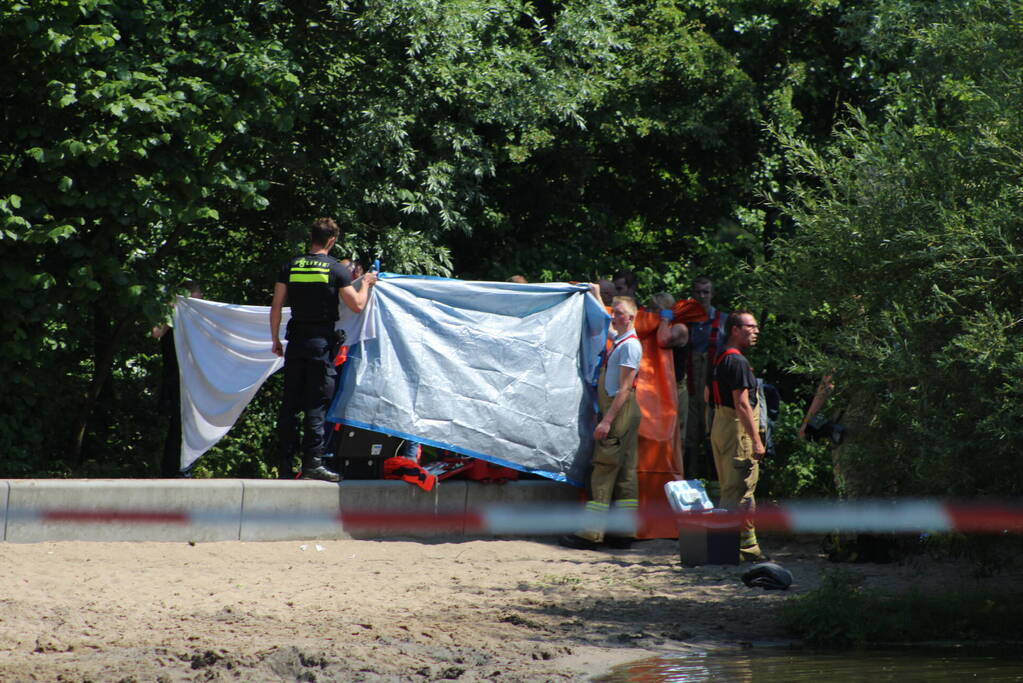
column 735, row 434
column 311, row 284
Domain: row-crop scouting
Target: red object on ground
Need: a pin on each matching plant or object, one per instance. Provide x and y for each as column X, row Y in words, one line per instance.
column 408, row 470
column 481, row 470
column 473, row 469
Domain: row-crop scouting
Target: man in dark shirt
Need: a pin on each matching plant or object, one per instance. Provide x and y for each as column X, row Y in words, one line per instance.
column 311, row 284
column 735, row 434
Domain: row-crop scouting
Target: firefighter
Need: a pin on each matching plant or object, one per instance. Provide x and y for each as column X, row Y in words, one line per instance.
column 706, row 339
column 616, row 435
column 735, row 435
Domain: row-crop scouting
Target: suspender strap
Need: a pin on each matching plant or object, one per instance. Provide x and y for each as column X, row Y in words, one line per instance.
column 614, row 348
column 621, row 341
column 715, row 329
column 712, row 349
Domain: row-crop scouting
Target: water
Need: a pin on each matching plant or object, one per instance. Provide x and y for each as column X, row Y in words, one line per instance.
column 867, row 666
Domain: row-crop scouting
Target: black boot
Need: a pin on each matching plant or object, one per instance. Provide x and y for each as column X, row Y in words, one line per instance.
column 285, row 469
column 576, row 542
column 618, row 542
column 312, row 468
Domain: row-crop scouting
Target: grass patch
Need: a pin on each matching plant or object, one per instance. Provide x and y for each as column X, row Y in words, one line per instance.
column 557, row 580
column 838, row 614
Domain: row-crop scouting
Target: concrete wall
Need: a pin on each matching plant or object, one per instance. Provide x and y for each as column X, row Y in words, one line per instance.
column 5, row 489
column 222, row 498
column 527, row 492
column 263, row 500
column 244, row 509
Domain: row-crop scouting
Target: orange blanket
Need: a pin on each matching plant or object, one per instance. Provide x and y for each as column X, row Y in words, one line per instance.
column 660, row 448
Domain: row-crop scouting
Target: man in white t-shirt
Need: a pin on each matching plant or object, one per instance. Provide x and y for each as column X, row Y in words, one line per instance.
column 616, row 435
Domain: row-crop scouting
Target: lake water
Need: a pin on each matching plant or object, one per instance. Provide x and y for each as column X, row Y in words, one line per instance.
column 767, row 665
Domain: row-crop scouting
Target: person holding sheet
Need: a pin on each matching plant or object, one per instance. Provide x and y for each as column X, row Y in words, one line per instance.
column 311, row 284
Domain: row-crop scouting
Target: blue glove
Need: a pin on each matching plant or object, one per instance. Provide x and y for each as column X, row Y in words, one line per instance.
column 667, row 314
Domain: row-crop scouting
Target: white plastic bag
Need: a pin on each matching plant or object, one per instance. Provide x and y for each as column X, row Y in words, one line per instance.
column 687, row 496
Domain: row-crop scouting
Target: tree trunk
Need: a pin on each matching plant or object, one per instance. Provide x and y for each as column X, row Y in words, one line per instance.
column 101, row 373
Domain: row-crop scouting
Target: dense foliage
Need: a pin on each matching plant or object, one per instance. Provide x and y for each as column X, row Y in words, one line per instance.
column 905, row 270
column 847, row 168
column 129, row 128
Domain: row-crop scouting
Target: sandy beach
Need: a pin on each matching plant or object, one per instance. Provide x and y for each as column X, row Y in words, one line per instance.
column 360, row 610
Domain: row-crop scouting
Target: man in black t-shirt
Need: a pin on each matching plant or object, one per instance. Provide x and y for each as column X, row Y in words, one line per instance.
column 735, row 434
column 311, row 284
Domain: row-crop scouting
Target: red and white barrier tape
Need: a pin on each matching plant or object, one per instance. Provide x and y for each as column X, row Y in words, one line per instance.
column 905, row 516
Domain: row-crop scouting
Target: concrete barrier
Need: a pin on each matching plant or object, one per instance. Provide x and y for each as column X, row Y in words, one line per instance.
column 262, row 498
column 245, row 509
column 223, row 496
column 5, row 489
column 392, row 495
column 526, row 492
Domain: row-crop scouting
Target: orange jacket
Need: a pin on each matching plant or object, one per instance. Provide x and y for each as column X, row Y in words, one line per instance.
column 660, row 448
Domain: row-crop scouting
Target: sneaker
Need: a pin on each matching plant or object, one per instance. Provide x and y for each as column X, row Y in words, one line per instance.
column 576, row 542
column 321, row 473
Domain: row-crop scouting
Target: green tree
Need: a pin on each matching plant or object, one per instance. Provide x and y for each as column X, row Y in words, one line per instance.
column 404, row 108
column 905, row 266
column 129, row 127
column 409, row 109
column 660, row 154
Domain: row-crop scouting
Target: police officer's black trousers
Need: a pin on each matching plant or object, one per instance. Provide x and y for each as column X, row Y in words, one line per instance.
column 309, row 381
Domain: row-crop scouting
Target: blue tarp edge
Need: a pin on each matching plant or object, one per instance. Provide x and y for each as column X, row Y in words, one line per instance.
column 461, row 451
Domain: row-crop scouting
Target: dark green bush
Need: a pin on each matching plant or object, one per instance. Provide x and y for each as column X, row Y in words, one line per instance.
column 839, row 614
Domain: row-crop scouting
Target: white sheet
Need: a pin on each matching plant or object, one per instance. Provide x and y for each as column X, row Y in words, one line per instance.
column 224, row 356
